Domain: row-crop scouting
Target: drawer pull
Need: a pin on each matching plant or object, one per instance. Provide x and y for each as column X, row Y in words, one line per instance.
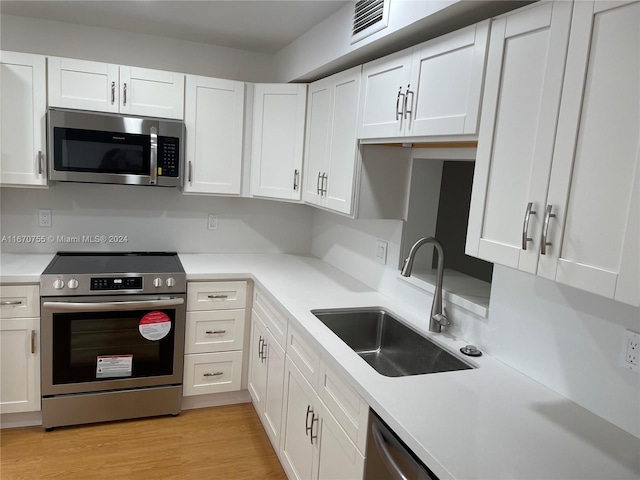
column 214, row 374
column 214, row 332
column 33, row 341
column 214, row 297
column 11, row 302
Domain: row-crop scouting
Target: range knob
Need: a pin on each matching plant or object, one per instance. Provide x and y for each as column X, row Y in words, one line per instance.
column 157, row 282
column 171, row 282
column 58, row 284
column 73, row 283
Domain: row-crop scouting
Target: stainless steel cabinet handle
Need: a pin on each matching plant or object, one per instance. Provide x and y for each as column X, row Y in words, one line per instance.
column 153, row 162
column 40, row 162
column 113, row 93
column 214, row 332
column 108, row 306
column 11, row 302
column 323, row 192
column 214, row 374
column 318, row 184
column 33, row 341
column 545, row 230
column 295, row 179
column 399, row 103
column 525, row 225
column 260, row 342
column 217, row 296
column 307, row 425
column 406, row 102
column 124, row 95
column 387, row 458
column 189, row 176
column 314, row 419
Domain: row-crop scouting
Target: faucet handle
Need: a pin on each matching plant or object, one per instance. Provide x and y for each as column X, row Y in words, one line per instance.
column 442, row 319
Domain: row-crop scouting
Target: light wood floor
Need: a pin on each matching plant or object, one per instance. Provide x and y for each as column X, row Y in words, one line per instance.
column 224, row 443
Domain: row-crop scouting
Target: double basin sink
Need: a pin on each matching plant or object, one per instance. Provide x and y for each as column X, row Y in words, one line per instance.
column 388, row 345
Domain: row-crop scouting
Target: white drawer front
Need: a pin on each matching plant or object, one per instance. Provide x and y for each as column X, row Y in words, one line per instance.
column 274, row 319
column 216, row 295
column 19, row 301
column 212, row 373
column 349, row 409
column 304, row 356
column 214, row 331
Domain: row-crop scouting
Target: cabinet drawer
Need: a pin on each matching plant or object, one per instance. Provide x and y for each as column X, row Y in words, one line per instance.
column 349, row 409
column 272, row 317
column 304, row 356
column 216, row 295
column 19, row 301
column 212, row 373
column 214, row 331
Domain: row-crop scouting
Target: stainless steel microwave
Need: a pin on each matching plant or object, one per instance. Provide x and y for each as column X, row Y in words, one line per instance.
column 108, row 148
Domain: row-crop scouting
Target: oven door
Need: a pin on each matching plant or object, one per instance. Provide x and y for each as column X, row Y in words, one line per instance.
column 92, row 344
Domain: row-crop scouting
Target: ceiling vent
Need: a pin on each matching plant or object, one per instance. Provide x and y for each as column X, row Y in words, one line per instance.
column 369, row 16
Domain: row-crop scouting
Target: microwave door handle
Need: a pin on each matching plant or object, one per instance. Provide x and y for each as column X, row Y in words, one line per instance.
column 153, row 173
column 111, row 306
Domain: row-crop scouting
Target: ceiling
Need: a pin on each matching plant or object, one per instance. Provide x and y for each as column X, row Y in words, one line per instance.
column 264, row 26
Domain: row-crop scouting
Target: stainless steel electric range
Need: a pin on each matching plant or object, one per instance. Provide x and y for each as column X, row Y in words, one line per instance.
column 112, row 336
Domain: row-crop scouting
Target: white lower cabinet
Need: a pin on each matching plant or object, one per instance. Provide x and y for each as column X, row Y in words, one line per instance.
column 214, row 337
column 314, row 445
column 19, row 349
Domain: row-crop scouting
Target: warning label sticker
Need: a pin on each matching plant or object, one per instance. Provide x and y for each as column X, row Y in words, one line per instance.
column 114, row 366
column 155, row 325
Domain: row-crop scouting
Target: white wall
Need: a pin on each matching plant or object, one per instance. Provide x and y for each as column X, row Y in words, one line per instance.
column 48, row 37
column 564, row 338
column 153, row 219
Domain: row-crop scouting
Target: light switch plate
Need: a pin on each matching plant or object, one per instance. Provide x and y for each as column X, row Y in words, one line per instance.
column 381, row 252
column 212, row 223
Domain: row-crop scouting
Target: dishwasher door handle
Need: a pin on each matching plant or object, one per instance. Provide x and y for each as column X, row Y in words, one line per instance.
column 385, row 455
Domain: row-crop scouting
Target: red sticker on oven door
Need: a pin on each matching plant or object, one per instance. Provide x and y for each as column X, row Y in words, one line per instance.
column 155, row 325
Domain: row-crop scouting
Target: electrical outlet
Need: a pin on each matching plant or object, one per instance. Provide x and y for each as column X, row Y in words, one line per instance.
column 630, row 357
column 213, row 222
column 44, row 218
column 381, row 252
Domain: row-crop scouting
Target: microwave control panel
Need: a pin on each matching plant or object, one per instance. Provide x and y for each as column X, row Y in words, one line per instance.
column 168, row 157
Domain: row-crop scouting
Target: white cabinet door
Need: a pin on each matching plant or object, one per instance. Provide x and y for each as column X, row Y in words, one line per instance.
column 343, row 146
column 317, row 140
column 278, row 138
column 593, row 191
column 384, row 85
column 527, row 52
column 446, row 83
column 83, row 85
column 338, row 457
column 19, row 365
column 214, row 119
column 274, row 358
column 257, row 383
column 105, row 87
column 300, row 427
column 331, row 141
column 23, row 123
column 151, row 93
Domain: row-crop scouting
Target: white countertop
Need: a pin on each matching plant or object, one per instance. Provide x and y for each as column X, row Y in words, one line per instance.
column 487, row 423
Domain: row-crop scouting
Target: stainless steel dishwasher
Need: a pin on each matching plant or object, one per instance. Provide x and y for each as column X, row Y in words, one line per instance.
column 388, row 458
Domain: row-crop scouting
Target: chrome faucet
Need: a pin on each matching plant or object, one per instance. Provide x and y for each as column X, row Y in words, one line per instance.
column 438, row 318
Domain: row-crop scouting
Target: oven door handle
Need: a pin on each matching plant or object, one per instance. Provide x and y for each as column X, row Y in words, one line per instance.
column 110, row 306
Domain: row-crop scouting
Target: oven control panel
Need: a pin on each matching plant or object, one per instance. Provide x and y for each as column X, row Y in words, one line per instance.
column 123, row 283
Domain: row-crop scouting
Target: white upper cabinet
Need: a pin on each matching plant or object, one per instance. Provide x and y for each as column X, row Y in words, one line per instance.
column 527, row 53
column 278, row 139
column 104, row 87
column 23, row 122
column 214, row 120
column 594, row 237
column 432, row 89
column 556, row 183
column 331, row 146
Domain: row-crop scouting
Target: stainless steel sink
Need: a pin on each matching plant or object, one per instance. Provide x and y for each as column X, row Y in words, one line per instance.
column 389, row 346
